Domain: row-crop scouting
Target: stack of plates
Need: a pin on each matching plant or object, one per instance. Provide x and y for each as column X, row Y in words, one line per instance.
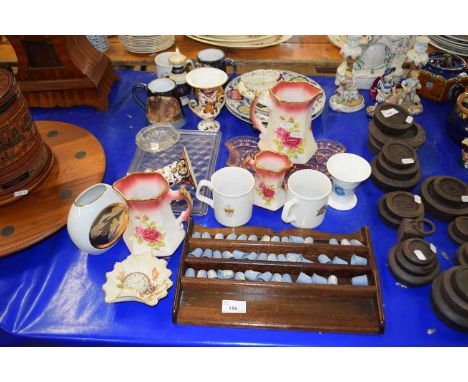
column 146, row 44
column 241, row 41
column 457, row 44
column 340, row 40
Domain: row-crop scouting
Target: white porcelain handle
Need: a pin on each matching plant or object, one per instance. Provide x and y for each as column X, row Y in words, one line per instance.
column 286, row 209
column 201, row 197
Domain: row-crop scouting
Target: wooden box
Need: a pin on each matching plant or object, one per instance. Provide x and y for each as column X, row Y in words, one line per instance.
column 276, row 305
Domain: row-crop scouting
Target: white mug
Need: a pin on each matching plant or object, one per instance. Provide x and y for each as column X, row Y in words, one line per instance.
column 233, row 195
column 163, row 67
column 308, row 192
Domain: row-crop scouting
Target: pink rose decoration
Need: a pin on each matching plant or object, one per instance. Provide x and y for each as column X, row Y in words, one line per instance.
column 267, row 192
column 150, row 235
column 286, row 138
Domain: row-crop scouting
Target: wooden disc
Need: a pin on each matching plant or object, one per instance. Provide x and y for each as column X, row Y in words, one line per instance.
column 450, row 189
column 462, row 254
column 79, row 163
column 395, row 124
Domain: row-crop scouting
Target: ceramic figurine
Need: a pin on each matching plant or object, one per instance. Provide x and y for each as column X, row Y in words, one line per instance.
column 289, row 124
column 383, row 91
column 346, row 98
column 152, row 226
column 179, row 73
column 418, row 57
column 378, row 54
column 270, row 168
column 207, row 84
column 142, row 278
column 407, row 94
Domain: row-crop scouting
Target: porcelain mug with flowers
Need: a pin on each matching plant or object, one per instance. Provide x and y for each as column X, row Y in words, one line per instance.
column 289, row 123
column 152, row 226
column 270, row 168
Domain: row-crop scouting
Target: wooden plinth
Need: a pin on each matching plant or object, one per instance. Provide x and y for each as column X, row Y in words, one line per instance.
column 79, row 163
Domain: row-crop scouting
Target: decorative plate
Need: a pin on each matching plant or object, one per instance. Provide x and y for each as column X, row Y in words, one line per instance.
column 142, row 278
column 239, row 106
column 340, row 40
column 251, row 44
column 243, row 147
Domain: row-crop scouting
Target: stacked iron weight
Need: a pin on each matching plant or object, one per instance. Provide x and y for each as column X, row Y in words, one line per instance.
column 392, row 122
column 24, row 158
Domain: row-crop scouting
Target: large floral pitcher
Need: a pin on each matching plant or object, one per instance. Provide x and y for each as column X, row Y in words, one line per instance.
column 289, row 124
column 152, row 226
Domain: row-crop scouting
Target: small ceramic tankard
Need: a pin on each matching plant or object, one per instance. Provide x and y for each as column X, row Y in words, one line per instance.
column 215, row 58
column 270, row 168
column 152, row 226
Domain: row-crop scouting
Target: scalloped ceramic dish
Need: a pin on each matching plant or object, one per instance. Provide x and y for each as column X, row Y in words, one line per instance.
column 141, row 278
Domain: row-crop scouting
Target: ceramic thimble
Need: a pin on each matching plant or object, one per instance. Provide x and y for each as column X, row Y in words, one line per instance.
column 219, row 236
column 284, row 239
column 201, row 274
column 239, row 276
column 225, row 274
column 304, row 279
column 251, row 256
column 217, row 254
column 358, row 260
column 286, row 278
column 265, row 238
column 332, row 280
column 265, row 276
column 206, row 235
column 333, row 241
column 251, row 275
column 272, row 257
column 197, row 252
column 253, row 238
column 361, row 280
column 345, row 242
column 308, row 240
column 355, row 242
column 238, row 254
column 212, row 274
column 189, row 272
column 324, row 259
column 339, row 260
column 281, row 257
column 262, row 257
column 293, row 257
column 304, row 260
column 207, row 253
column 242, row 237
column 317, row 279
column 276, row 278
column 296, row 239
column 196, row 235
column 227, row 255
column 231, row 236
column 275, row 238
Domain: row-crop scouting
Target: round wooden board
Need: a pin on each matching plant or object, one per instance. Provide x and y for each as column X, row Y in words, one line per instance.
column 79, row 163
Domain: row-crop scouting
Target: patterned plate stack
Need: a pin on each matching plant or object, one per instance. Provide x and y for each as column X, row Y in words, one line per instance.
column 146, row 44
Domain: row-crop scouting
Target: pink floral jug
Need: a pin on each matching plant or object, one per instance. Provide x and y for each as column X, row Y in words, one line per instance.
column 152, row 226
column 270, row 168
column 289, row 124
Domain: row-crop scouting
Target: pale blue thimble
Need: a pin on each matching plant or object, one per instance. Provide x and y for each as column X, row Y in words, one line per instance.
column 225, row 274
column 332, row 280
column 293, row 257
column 231, row 236
column 242, row 237
column 262, row 256
column 281, row 257
column 197, row 252
column 272, row 257
column 355, row 242
column 212, row 274
column 251, row 256
column 219, row 236
column 345, row 242
column 339, row 260
column 361, row 280
column 196, row 235
column 189, row 272
column 304, row 260
column 265, row 238
column 207, row 253
column 251, row 275
column 286, row 278
column 275, row 238
column 227, row 255
column 296, row 239
column 276, row 278
column 358, row 260
column 253, row 238
column 238, row 254
column 284, row 239
column 201, row 274
column 308, row 240
column 317, row 279
column 265, row 276
column 304, row 279
column 217, row 254
column 324, row 259
column 333, row 241
column 239, row 276
column 206, row 235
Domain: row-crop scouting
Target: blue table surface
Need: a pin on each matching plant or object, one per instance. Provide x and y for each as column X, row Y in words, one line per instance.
column 51, row 293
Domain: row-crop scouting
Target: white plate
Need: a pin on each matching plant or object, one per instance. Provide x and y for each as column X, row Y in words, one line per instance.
column 275, row 40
